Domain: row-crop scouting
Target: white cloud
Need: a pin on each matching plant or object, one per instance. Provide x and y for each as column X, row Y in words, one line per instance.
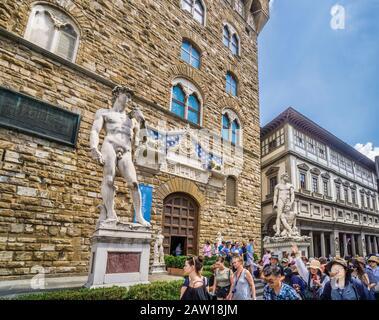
column 271, row 4
column 368, row 150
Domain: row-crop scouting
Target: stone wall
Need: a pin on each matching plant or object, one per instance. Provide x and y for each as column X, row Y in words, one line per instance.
column 49, row 192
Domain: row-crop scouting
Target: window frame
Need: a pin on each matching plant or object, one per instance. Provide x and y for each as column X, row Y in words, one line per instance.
column 303, row 173
column 315, row 184
column 235, row 199
column 192, row 47
column 189, row 88
column 233, row 117
column 233, row 78
column 51, row 9
column 232, row 33
column 193, row 9
column 325, row 183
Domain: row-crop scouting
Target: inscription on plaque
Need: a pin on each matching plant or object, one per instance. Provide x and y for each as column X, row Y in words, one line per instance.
column 29, row 115
column 123, row 262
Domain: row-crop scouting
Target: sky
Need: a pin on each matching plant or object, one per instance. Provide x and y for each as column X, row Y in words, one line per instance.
column 325, row 66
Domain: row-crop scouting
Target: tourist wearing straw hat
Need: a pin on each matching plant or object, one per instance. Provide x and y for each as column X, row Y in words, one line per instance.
column 313, row 276
column 373, row 274
column 360, row 274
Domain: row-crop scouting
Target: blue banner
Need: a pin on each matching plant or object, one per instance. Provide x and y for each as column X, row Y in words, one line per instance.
column 147, row 201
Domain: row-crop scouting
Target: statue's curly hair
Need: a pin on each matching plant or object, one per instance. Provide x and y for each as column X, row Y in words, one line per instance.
column 117, row 90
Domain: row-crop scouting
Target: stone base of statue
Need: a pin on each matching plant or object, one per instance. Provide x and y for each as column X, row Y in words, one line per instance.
column 158, row 269
column 281, row 244
column 120, row 254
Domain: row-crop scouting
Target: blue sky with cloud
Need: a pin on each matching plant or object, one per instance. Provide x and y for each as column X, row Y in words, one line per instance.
column 331, row 76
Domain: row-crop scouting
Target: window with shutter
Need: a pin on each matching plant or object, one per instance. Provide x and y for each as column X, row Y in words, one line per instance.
column 231, row 191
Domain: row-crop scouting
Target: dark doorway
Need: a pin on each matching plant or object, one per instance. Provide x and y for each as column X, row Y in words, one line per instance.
column 175, row 241
column 180, row 223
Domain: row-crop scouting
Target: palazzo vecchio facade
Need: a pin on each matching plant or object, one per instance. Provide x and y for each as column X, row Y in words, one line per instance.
column 192, row 65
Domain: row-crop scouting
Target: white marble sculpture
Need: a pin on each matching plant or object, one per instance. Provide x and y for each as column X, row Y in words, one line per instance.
column 284, row 197
column 158, row 249
column 219, row 239
column 118, row 151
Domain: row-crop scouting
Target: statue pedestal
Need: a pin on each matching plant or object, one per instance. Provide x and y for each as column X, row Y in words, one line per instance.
column 158, row 268
column 119, row 255
column 279, row 245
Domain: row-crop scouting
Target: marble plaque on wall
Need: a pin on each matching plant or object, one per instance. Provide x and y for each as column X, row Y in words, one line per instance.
column 123, row 262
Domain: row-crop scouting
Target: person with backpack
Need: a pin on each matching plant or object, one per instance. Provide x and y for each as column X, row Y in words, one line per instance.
column 360, row 274
column 314, row 278
column 196, row 287
column 222, row 279
column 341, row 285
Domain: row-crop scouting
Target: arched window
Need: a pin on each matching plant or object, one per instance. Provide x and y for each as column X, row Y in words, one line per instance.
column 53, row 30
column 178, row 101
column 235, row 128
column 196, row 8
column 234, row 46
column 226, row 37
column 193, row 109
column 230, row 39
column 225, row 126
column 231, row 84
column 231, row 127
column 186, row 100
column 231, row 191
column 190, row 54
column 198, row 11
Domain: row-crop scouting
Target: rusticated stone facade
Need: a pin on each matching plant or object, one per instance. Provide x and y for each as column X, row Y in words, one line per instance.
column 49, row 192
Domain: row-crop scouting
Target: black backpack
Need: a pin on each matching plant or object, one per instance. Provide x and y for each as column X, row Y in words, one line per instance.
column 312, row 293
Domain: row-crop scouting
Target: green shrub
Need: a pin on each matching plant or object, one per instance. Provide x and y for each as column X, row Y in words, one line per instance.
column 210, row 261
column 256, row 258
column 207, row 274
column 113, row 293
column 207, row 268
column 175, row 262
column 158, row 290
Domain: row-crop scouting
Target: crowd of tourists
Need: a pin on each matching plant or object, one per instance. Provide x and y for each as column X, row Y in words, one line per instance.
column 292, row 277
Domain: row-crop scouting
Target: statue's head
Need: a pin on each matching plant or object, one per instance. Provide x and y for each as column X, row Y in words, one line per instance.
column 285, row 177
column 122, row 95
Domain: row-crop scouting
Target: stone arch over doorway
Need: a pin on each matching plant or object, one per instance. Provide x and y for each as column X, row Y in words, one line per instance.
column 181, row 185
column 182, row 201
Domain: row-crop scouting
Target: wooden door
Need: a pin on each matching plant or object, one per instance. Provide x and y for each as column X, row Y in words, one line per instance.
column 180, row 219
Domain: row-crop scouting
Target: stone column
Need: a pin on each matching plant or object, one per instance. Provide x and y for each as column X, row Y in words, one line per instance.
column 362, row 245
column 332, row 244
column 368, row 244
column 353, row 251
column 311, row 251
column 375, row 245
column 345, row 252
column 336, row 243
column 322, row 237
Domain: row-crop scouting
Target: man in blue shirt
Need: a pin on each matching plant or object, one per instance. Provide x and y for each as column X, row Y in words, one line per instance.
column 275, row 289
column 373, row 272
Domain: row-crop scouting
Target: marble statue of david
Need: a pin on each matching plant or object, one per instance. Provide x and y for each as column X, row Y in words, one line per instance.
column 118, row 150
